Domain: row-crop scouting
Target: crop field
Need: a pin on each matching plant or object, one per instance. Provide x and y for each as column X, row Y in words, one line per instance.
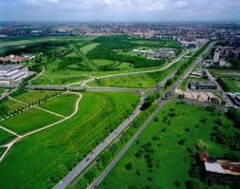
column 145, row 80
column 29, row 120
column 42, row 159
column 5, row 137
column 166, row 153
column 63, row 104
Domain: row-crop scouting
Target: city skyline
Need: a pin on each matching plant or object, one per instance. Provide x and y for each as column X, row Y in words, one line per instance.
column 119, row 11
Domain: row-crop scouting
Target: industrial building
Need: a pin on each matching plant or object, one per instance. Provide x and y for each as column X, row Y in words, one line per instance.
column 12, row 73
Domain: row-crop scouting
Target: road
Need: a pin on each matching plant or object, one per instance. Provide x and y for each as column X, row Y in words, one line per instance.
column 94, row 154
column 220, row 89
column 161, row 102
column 126, row 147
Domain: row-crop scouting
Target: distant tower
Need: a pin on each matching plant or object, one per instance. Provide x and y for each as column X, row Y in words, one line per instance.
column 216, row 56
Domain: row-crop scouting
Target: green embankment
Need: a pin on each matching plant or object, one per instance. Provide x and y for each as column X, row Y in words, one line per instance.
column 145, row 80
column 42, row 159
column 63, row 104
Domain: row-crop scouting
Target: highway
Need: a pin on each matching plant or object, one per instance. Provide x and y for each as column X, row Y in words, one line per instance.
column 160, row 102
column 94, row 154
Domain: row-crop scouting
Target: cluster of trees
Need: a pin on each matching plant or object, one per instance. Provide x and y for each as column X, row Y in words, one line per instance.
column 109, row 44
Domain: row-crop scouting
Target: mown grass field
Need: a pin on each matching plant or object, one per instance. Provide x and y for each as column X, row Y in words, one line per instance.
column 42, row 159
column 2, row 150
column 9, row 106
column 5, row 137
column 232, row 84
column 63, row 104
column 32, row 96
column 145, row 80
column 165, row 153
column 29, row 120
column 2, row 91
column 88, row 48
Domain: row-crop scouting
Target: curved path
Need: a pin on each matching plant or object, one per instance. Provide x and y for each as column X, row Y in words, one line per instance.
column 20, row 137
column 84, row 83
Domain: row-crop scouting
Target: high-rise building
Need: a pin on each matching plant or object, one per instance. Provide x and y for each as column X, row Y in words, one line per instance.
column 216, row 57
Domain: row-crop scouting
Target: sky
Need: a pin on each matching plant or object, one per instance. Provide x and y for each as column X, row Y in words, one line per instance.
column 119, row 10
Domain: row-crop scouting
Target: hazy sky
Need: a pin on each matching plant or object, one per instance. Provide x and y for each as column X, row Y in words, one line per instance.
column 118, row 10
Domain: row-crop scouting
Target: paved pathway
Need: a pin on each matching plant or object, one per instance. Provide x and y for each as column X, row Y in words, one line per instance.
column 20, row 137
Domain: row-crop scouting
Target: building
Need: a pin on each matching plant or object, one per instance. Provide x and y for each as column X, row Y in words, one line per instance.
column 216, row 57
column 204, row 85
column 12, row 73
column 16, row 59
column 223, row 171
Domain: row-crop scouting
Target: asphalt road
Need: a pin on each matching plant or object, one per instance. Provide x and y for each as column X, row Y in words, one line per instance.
column 94, row 154
column 126, row 147
column 219, row 88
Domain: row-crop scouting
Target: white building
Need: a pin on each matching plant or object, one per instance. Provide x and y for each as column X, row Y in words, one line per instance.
column 216, row 57
column 12, row 73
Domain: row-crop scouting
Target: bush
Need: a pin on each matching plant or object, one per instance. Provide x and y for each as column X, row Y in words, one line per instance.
column 128, row 166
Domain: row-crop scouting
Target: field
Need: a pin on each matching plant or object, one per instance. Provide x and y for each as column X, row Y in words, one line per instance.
column 63, row 104
column 7, row 106
column 2, row 91
column 145, row 80
column 29, row 120
column 165, row 155
column 30, row 96
column 71, row 59
column 42, row 159
column 5, row 137
column 228, row 79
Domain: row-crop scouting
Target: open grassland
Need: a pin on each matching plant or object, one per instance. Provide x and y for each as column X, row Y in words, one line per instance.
column 5, row 137
column 7, row 106
column 88, row 48
column 32, row 96
column 166, row 153
column 42, row 159
column 63, row 104
column 2, row 150
column 2, row 91
column 232, row 85
column 29, row 120
column 145, row 80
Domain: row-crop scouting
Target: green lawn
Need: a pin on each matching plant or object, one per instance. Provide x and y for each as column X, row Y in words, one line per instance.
column 2, row 150
column 42, row 159
column 5, row 137
column 232, row 84
column 2, row 91
column 33, row 96
column 88, row 48
column 63, row 104
column 145, row 80
column 167, row 150
column 9, row 106
column 29, row 120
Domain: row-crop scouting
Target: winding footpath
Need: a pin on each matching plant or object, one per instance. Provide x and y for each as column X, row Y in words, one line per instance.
column 20, row 137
